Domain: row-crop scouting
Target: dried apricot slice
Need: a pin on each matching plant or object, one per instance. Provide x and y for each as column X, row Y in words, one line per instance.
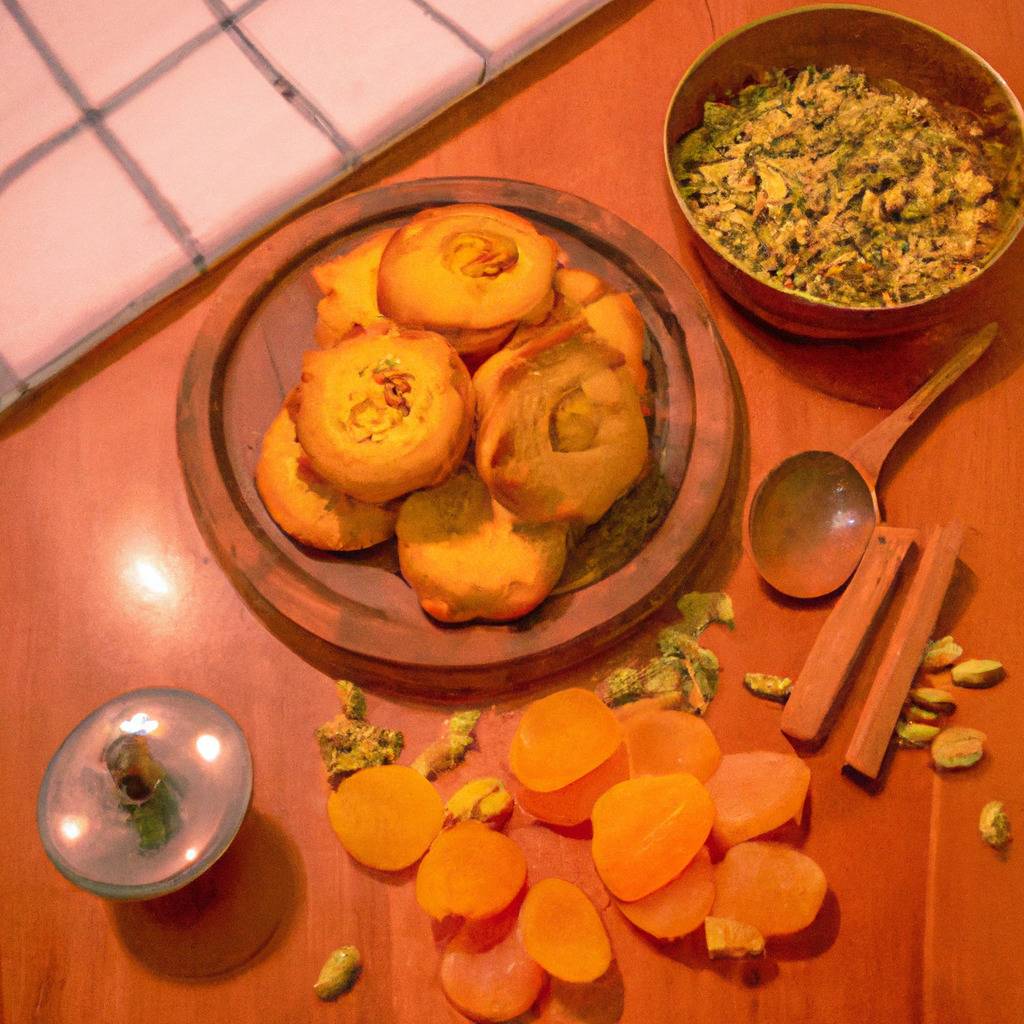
column 563, row 932
column 678, row 908
column 386, row 816
column 561, row 737
column 490, row 981
column 573, row 804
column 646, row 830
column 773, row 887
column 755, row 792
column 470, row 871
column 662, row 742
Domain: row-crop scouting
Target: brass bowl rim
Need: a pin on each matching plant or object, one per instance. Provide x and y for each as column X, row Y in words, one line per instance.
column 1009, row 235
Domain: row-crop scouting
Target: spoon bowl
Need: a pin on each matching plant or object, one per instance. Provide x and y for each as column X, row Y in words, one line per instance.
column 810, row 521
column 812, row 516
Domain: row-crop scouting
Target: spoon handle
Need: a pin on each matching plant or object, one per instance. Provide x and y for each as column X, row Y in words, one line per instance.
column 870, row 452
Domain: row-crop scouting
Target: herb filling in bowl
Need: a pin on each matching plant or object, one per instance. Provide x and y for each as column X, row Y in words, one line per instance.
column 844, row 191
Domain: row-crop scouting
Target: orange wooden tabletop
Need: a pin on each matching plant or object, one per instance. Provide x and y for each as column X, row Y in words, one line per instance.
column 106, row 585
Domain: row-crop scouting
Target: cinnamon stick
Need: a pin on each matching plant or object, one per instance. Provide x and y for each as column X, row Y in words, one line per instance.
column 820, row 687
column 902, row 656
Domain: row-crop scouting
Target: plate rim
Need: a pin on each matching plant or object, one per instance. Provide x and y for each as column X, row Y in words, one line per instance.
column 261, row 570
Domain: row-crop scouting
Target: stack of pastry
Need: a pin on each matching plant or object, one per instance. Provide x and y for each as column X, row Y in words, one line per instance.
column 483, row 479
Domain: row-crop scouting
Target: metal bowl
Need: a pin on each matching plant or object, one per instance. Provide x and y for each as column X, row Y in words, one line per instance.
column 882, row 46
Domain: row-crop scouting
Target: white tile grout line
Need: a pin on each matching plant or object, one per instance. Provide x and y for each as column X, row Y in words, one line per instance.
column 166, row 213
column 283, row 86
column 475, row 45
column 117, row 99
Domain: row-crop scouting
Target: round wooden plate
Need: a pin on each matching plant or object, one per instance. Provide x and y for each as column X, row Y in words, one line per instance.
column 358, row 607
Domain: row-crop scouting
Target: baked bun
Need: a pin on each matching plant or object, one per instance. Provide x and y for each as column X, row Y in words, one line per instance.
column 384, row 413
column 306, row 506
column 465, row 267
column 563, row 435
column 468, row 558
column 615, row 319
column 349, row 284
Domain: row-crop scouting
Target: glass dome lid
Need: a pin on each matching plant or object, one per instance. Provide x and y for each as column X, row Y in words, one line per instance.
column 145, row 794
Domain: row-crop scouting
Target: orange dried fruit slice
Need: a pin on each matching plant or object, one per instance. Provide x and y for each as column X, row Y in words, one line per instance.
column 771, row 886
column 562, row 737
column 562, row 930
column 386, row 816
column 572, row 804
column 755, row 792
column 661, row 742
column 678, row 908
column 646, row 830
column 470, row 871
column 490, row 977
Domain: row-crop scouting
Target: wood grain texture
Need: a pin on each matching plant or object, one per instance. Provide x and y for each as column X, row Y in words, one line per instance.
column 106, row 584
column 819, row 688
column 926, row 593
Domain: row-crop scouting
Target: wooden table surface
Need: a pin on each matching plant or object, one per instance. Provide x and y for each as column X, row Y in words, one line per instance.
column 106, row 585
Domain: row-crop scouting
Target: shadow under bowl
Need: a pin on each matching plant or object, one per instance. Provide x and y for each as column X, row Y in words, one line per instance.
column 883, row 46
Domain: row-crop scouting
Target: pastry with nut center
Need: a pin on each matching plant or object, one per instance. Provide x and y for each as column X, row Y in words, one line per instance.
column 384, row 413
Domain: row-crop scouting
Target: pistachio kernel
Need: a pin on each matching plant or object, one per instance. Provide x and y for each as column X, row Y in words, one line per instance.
column 726, row 937
column 770, row 687
column 339, row 973
column 915, row 734
column 933, row 699
column 958, row 747
column 913, row 713
column 994, row 825
column 485, row 800
column 978, row 673
column 940, row 654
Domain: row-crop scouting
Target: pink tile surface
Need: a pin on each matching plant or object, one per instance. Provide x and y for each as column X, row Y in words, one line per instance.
column 78, row 243
column 32, row 105
column 104, row 44
column 216, row 132
column 376, row 67
column 226, row 150
column 512, row 29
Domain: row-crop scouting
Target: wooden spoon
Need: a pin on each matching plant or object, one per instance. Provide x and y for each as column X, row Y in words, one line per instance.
column 812, row 515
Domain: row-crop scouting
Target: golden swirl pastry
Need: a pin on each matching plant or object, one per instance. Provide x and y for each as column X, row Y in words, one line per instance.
column 306, row 506
column 563, row 435
column 384, row 413
column 615, row 319
column 466, row 267
column 467, row 558
column 349, row 285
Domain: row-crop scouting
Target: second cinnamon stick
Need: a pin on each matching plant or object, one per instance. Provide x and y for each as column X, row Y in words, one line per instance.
column 902, row 656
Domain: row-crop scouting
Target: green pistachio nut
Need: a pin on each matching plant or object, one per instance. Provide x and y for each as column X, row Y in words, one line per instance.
column 339, row 973
column 915, row 734
column 726, row 937
column 933, row 699
column 958, row 747
column 978, row 673
column 940, row 654
column 994, row 825
column 769, row 687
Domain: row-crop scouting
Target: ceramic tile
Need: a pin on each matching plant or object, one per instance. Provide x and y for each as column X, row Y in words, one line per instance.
column 227, row 151
column 78, row 243
column 509, row 31
column 32, row 105
column 104, row 44
column 377, row 68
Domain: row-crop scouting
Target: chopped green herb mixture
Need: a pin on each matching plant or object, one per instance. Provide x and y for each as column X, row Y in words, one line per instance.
column 841, row 190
